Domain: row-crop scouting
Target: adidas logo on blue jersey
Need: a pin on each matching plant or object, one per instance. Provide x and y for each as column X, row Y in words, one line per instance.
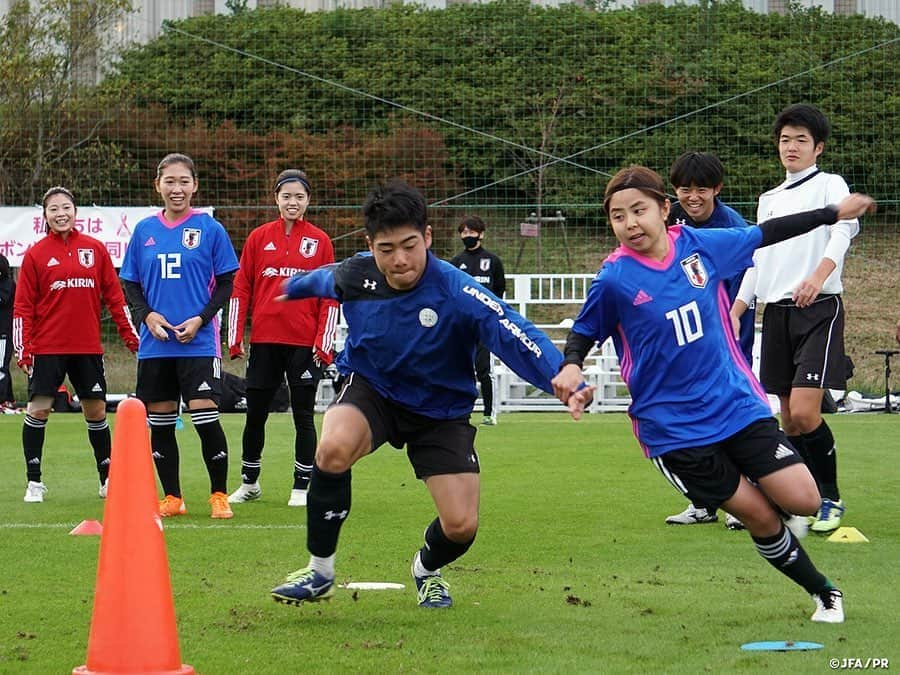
column 641, row 298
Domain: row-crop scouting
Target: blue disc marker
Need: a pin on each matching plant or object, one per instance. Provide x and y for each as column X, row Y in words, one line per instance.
column 781, row 646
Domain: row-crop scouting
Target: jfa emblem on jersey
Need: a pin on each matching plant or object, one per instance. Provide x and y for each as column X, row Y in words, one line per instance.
column 86, row 257
column 308, row 247
column 695, row 271
column 428, row 317
column 484, row 264
column 190, row 238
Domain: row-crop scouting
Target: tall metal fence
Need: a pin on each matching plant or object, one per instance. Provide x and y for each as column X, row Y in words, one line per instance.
column 511, row 111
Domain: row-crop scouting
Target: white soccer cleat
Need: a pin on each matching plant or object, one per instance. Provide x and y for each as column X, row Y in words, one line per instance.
column 733, row 522
column 829, row 606
column 247, row 492
column 298, row 498
column 103, row 489
column 798, row 525
column 34, row 492
column 692, row 516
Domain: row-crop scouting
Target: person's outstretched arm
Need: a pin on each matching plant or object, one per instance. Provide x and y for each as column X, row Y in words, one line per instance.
column 787, row 227
column 316, row 284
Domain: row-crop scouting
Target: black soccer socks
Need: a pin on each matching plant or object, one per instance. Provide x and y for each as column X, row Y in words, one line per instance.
column 785, row 554
column 327, row 507
column 213, row 445
column 165, row 450
column 823, row 457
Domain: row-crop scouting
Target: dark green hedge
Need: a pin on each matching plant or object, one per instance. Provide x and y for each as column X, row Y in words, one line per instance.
column 640, row 85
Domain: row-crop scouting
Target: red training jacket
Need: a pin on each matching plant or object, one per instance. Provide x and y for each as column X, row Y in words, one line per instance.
column 269, row 257
column 57, row 307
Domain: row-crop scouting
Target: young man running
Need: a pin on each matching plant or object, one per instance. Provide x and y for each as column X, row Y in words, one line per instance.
column 413, row 323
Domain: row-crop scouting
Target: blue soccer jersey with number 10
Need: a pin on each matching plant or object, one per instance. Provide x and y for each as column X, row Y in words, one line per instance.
column 689, row 383
column 176, row 265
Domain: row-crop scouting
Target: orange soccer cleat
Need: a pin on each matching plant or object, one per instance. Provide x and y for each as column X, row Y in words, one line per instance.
column 220, row 507
column 170, row 505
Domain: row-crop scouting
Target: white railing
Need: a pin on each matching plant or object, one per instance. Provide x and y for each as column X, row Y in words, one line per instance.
column 551, row 302
column 528, row 291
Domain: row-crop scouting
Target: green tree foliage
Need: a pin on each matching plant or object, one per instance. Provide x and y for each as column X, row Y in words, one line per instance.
column 469, row 100
column 500, row 82
column 50, row 110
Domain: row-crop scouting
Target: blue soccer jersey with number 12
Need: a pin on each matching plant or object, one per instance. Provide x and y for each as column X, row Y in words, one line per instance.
column 689, row 383
column 176, row 265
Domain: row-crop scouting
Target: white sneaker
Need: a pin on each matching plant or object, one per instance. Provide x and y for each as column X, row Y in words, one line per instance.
column 733, row 522
column 798, row 525
column 298, row 498
column 829, row 606
column 103, row 489
column 247, row 492
column 692, row 516
column 489, row 421
column 35, row 492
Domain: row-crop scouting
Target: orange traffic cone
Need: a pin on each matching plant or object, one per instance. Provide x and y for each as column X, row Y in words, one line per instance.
column 133, row 624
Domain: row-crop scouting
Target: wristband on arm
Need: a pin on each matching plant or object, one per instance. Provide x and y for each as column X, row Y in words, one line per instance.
column 577, row 348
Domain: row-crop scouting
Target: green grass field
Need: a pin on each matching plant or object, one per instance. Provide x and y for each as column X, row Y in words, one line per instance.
column 573, row 569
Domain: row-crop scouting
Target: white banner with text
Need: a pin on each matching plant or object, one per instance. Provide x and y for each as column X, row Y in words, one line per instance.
column 21, row 227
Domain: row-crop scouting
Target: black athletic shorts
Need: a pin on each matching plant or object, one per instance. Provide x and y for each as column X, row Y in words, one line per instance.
column 85, row 372
column 269, row 363
column 189, row 378
column 709, row 475
column 434, row 447
column 803, row 347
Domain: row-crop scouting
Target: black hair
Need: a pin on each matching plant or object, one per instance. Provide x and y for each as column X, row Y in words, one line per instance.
column 56, row 190
column 702, row 169
column 292, row 176
column 806, row 116
column 176, row 158
column 473, row 223
column 394, row 204
column 5, row 270
column 639, row 178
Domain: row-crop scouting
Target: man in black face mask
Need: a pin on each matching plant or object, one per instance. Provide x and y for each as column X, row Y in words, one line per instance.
column 487, row 269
